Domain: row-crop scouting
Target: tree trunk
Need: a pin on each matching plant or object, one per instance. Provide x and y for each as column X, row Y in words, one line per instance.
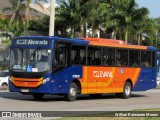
column 26, row 17
column 139, row 39
column 84, row 30
column 126, row 35
column 12, row 18
column 14, row 15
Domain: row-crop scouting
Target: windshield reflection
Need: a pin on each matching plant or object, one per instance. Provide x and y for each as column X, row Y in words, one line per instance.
column 30, row 60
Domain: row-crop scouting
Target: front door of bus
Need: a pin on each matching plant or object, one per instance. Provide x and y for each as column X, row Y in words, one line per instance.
column 61, row 57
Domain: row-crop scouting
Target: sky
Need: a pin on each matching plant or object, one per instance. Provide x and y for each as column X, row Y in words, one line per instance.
column 152, row 5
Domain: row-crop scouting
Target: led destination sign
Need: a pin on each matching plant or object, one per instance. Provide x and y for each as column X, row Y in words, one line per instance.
column 31, row 42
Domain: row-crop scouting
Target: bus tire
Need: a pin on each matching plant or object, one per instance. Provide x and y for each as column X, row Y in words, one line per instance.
column 72, row 94
column 127, row 90
column 38, row 96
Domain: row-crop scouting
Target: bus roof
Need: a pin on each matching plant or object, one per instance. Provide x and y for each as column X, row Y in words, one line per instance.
column 92, row 41
column 116, row 43
column 106, row 40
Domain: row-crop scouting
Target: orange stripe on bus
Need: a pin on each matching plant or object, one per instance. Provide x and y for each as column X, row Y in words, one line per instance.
column 118, row 45
column 27, row 82
column 104, row 79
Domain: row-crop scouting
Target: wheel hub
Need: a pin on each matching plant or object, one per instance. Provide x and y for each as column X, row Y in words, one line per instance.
column 72, row 92
column 127, row 90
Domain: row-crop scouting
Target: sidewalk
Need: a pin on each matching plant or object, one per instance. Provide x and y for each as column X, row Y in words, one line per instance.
column 158, row 87
column 3, row 87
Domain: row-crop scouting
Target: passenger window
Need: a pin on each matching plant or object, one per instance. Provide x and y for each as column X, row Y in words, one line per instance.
column 78, row 55
column 121, row 57
column 134, row 58
column 108, row 56
column 146, row 58
column 94, row 55
column 153, row 59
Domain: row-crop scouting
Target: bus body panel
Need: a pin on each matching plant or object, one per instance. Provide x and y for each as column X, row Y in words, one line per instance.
column 58, row 83
column 107, row 79
column 46, row 87
column 95, row 80
column 146, row 80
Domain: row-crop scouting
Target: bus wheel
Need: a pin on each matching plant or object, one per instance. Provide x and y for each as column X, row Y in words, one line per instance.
column 38, row 96
column 127, row 90
column 72, row 94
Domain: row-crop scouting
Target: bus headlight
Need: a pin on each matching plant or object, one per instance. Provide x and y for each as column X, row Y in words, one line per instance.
column 46, row 80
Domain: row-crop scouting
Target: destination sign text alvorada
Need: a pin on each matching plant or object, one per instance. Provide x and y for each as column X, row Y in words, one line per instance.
column 31, row 42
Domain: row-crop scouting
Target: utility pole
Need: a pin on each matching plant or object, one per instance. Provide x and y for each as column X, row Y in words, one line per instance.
column 52, row 17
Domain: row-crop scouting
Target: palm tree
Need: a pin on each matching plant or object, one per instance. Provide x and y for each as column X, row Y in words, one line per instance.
column 20, row 13
column 17, row 8
column 74, row 13
column 157, row 33
column 127, row 12
column 141, row 27
column 98, row 16
column 27, row 8
column 3, row 27
column 81, row 14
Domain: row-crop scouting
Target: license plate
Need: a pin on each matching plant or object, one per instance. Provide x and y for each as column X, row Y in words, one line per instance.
column 24, row 90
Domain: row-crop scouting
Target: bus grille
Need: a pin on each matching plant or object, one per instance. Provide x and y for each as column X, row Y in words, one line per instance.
column 27, row 82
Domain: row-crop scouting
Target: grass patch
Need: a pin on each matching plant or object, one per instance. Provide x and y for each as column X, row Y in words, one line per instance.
column 111, row 115
column 148, row 109
column 109, row 118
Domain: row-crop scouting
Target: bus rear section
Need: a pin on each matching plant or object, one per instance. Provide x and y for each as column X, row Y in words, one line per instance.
column 62, row 66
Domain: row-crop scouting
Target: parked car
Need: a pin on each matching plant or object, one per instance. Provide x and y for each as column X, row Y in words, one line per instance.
column 4, row 78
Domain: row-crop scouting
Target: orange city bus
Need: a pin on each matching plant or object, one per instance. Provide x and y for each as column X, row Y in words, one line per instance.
column 62, row 66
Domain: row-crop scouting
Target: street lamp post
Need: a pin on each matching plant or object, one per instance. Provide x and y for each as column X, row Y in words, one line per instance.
column 52, row 17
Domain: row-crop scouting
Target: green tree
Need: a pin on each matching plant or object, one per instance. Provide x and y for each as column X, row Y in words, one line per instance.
column 75, row 14
column 27, row 8
column 157, row 32
column 142, row 27
column 99, row 18
column 17, row 21
column 127, row 13
column 39, row 25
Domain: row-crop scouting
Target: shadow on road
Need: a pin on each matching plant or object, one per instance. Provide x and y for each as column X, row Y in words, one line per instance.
column 51, row 98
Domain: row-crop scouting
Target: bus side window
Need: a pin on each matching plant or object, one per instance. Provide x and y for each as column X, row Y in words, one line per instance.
column 104, row 60
column 108, row 56
column 153, row 59
column 135, row 64
column 77, row 59
column 134, row 58
column 78, row 55
column 94, row 54
column 122, row 57
column 146, row 58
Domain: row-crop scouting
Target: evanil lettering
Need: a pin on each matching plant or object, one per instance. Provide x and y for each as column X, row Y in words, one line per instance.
column 100, row 74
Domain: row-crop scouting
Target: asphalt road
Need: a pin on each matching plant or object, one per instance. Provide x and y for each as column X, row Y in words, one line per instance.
column 139, row 100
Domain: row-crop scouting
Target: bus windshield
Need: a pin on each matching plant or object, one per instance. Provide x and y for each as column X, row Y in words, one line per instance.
column 30, row 60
